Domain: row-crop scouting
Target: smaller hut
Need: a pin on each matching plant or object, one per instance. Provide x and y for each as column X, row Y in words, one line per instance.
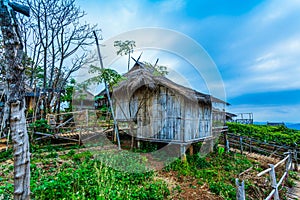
column 31, row 96
column 276, row 124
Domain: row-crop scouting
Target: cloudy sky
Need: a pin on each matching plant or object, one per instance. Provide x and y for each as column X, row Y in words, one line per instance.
column 255, row 45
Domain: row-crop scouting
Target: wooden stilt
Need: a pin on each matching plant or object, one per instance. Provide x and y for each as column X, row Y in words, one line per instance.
column 191, row 150
column 182, row 152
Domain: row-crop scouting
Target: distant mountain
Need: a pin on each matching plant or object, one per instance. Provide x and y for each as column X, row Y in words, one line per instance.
column 293, row 126
column 260, row 123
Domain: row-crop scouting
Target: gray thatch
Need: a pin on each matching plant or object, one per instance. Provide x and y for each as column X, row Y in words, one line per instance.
column 141, row 76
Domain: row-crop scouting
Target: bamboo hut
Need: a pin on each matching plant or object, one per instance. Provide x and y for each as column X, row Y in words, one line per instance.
column 156, row 109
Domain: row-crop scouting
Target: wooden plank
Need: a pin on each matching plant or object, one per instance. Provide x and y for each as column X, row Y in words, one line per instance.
column 276, row 165
column 270, row 195
column 281, row 179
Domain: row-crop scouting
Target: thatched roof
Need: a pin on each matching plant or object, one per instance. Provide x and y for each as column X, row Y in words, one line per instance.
column 141, row 76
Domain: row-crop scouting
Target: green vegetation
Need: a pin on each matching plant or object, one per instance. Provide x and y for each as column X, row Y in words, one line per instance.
column 76, row 173
column 82, row 175
column 110, row 76
column 278, row 134
column 216, row 170
column 40, row 125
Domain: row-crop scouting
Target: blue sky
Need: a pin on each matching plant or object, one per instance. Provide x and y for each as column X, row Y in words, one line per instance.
column 255, row 45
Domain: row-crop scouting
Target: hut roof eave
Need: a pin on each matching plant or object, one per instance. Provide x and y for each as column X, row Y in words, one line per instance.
column 141, row 77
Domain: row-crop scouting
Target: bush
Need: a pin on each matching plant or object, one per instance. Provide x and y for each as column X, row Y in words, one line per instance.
column 40, row 125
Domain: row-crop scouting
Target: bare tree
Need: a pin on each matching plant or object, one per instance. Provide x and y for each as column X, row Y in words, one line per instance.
column 57, row 43
column 12, row 58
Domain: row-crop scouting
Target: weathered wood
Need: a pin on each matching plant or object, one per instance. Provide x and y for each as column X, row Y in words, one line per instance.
column 64, row 123
column 270, row 195
column 14, row 75
column 247, row 170
column 162, row 114
column 240, row 190
column 7, row 141
column 182, row 152
column 276, row 165
column 275, row 185
column 274, row 181
column 295, row 159
column 116, row 129
column 241, row 144
column 191, row 149
column 226, row 142
column 259, row 146
column 282, row 178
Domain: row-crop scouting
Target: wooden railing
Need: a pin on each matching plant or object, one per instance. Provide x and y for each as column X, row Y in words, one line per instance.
column 252, row 145
column 242, row 144
column 275, row 185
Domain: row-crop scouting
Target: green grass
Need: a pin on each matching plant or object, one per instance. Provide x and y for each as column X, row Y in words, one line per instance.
column 85, row 175
column 79, row 174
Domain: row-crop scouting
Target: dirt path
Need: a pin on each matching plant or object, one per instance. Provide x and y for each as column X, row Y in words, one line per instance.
column 294, row 192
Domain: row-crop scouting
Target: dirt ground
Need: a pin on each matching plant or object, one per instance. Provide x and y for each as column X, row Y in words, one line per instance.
column 185, row 187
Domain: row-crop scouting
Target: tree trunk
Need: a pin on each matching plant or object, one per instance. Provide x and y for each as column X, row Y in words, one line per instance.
column 14, row 75
column 21, row 150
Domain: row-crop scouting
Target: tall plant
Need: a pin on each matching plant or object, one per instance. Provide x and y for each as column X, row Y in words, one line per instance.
column 125, row 48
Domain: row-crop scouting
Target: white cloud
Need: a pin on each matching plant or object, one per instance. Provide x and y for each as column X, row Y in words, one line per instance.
column 264, row 49
column 277, row 68
column 269, row 113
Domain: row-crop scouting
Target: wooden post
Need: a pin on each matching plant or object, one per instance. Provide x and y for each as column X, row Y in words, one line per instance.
column 241, row 144
column 182, row 152
column 87, row 117
column 116, row 128
column 132, row 135
column 12, row 64
column 288, row 162
column 226, row 142
column 79, row 138
column 250, row 145
column 274, row 181
column 191, row 150
column 296, row 160
column 7, row 140
column 240, row 190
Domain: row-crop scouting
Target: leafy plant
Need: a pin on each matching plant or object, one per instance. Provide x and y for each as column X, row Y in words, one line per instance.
column 40, row 125
column 110, row 76
column 278, row 134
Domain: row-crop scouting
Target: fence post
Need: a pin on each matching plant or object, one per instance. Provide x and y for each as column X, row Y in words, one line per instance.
column 274, row 182
column 240, row 190
column 79, row 137
column 87, row 117
column 250, row 145
column 226, row 142
column 296, row 159
column 288, row 162
column 241, row 144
